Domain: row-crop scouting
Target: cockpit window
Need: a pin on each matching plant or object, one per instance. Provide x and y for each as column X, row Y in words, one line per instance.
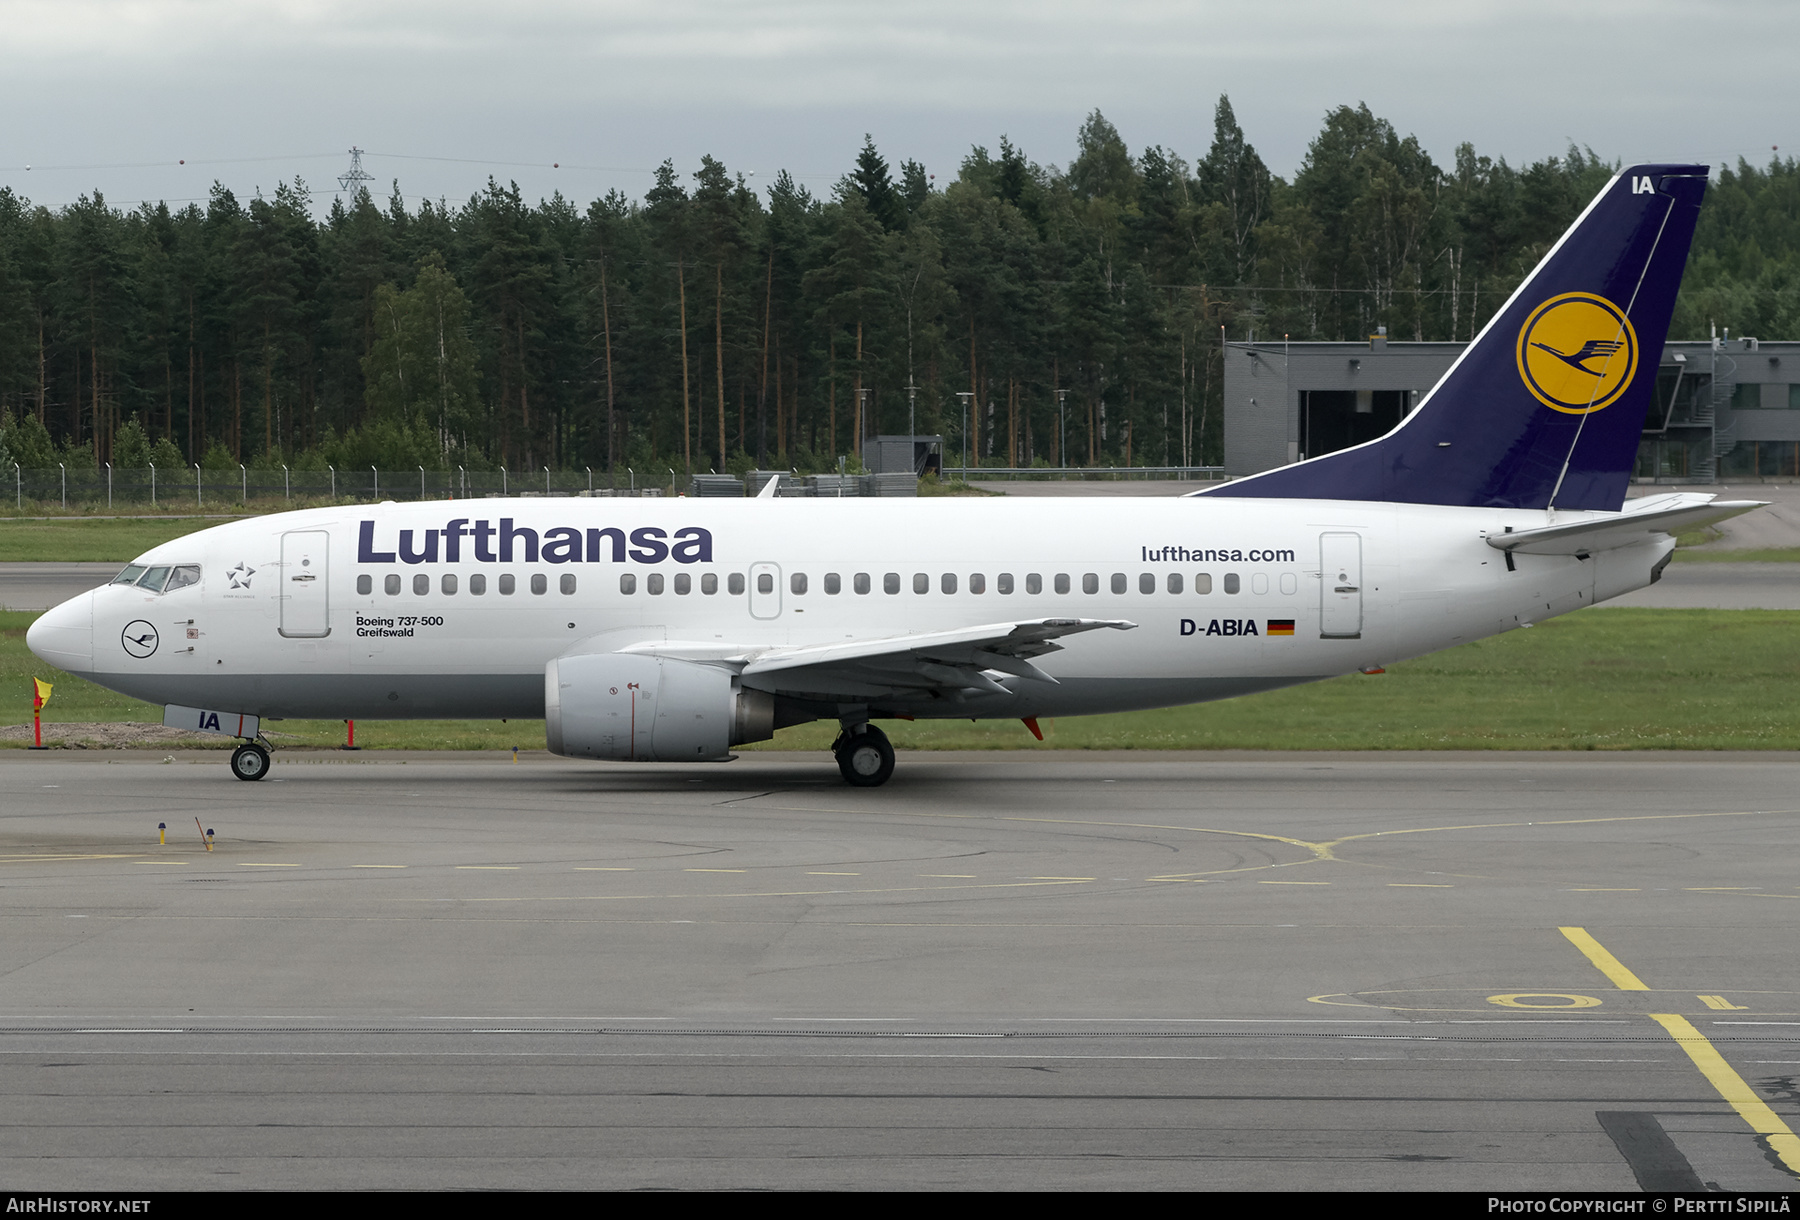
column 184, row 575
column 130, row 575
column 154, row 579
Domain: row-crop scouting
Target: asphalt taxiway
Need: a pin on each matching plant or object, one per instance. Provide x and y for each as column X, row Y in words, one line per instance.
column 1052, row 971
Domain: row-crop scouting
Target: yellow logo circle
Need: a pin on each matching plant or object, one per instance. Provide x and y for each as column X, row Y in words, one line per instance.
column 1577, row 353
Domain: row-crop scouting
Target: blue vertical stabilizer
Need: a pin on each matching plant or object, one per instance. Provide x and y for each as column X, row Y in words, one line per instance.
column 1545, row 408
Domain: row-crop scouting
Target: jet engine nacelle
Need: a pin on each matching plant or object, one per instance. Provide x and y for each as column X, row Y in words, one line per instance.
column 632, row 708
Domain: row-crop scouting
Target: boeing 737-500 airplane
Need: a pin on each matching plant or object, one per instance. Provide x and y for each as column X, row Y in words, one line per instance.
column 673, row 630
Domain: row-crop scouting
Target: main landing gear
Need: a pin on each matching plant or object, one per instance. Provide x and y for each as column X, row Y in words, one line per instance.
column 864, row 755
column 250, row 761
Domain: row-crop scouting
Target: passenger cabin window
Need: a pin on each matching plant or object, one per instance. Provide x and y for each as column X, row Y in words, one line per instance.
column 1259, row 583
column 1062, row 582
column 567, row 583
column 365, row 584
column 862, row 582
column 1147, row 583
column 1034, row 583
column 1090, row 582
column 391, row 585
column 1174, row 582
column 947, row 582
column 507, row 584
column 1118, row 582
column 890, row 583
column 627, row 583
column 977, row 583
column 1203, row 583
column 1231, row 582
column 833, row 584
column 684, row 584
column 921, row 582
column 709, row 584
column 448, row 584
column 1003, row 583
column 477, row 585
column 735, row 583
column 765, row 582
column 421, row 585
column 653, row 584
column 797, row 582
column 539, row 584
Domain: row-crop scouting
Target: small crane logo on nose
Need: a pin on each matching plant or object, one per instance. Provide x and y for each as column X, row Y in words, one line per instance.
column 139, row 638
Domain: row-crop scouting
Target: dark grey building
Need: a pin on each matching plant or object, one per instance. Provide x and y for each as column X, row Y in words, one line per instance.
column 1725, row 408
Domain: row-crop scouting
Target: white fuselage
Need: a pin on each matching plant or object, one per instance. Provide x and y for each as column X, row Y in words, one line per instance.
column 317, row 614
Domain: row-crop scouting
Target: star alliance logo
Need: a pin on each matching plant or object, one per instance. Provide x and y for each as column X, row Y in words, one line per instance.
column 240, row 575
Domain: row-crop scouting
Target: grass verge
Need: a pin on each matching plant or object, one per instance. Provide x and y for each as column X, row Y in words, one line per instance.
column 1600, row 679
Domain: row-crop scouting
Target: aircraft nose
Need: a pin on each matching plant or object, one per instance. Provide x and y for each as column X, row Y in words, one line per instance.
column 64, row 636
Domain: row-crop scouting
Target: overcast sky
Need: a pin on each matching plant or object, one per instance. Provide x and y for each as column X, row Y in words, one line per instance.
column 111, row 94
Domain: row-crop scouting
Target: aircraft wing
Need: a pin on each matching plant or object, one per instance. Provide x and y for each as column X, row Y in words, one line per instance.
column 933, row 661
column 1650, row 517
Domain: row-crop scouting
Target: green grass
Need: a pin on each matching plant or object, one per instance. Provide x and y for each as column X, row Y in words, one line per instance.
column 1600, row 679
column 1779, row 554
column 96, row 540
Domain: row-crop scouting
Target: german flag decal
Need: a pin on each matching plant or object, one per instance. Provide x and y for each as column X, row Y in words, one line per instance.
column 1280, row 626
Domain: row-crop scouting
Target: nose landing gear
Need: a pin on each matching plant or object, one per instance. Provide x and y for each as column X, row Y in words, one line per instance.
column 864, row 756
column 250, row 761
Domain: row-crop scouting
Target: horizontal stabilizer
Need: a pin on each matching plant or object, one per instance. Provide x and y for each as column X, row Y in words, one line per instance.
column 1652, row 517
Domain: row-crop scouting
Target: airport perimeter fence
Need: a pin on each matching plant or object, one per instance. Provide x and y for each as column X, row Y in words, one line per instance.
column 195, row 488
column 1087, row 473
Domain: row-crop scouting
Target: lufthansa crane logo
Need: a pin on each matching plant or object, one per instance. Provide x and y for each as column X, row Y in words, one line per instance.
column 139, row 639
column 1577, row 353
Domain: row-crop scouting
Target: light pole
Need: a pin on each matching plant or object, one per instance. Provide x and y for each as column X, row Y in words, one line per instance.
column 152, row 484
column 333, row 470
column 1062, row 402
column 287, row 487
column 243, row 485
column 199, row 496
column 109, row 485
column 965, row 395
column 862, row 418
column 912, row 421
column 65, row 483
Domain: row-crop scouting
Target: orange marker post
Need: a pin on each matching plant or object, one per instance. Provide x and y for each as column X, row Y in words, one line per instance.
column 40, row 695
